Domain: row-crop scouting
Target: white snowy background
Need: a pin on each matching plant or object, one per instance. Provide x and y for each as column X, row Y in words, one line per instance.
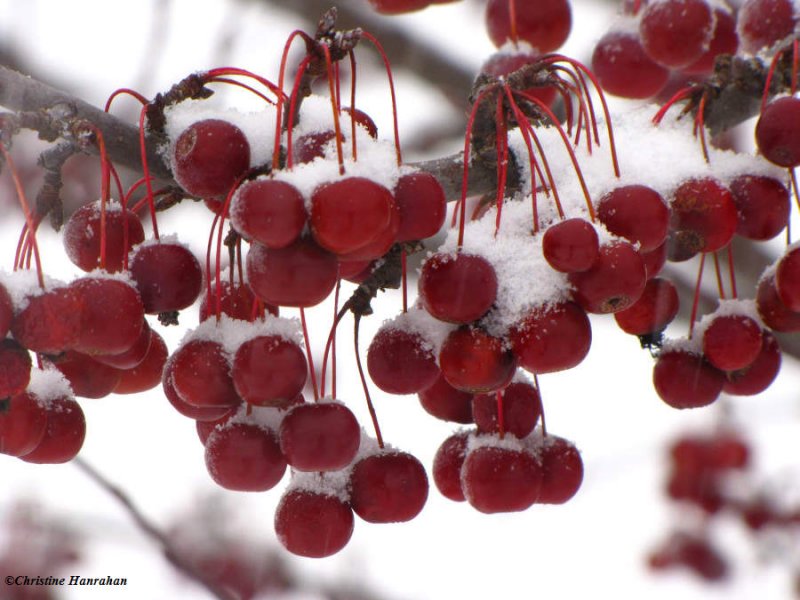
column 594, row 546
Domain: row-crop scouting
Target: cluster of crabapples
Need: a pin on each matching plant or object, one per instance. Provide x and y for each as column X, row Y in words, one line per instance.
column 656, row 45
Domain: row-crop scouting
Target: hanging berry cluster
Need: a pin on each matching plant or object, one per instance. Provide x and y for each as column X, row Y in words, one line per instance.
column 304, row 195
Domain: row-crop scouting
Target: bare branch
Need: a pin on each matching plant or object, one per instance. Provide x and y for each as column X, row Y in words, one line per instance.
column 152, row 531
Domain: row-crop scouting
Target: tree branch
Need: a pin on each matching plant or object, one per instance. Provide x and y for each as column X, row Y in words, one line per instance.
column 152, row 531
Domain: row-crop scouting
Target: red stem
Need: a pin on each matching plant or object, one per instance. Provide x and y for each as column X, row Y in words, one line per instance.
column 389, row 76
column 370, row 406
column 146, row 172
column 696, row 300
column 718, row 273
column 308, row 354
column 732, row 272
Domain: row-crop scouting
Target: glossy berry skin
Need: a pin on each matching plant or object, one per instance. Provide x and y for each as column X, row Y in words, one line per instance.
column 762, row 23
column 87, row 377
column 624, row 69
column 400, row 362
column 64, row 433
column 473, row 361
column 637, row 213
column 686, row 380
column 703, row 215
column 268, row 211
column 762, row 206
column 562, row 470
column 545, row 24
column 676, row 33
column 245, row 458
column 732, row 342
column 457, row 289
column 147, row 374
column 422, row 205
column 320, row 436
column 15, row 368
column 396, row 7
column 83, row 234
column 236, row 301
column 167, row 275
column 348, row 214
column 201, row 375
column 51, row 322
column 724, row 40
column 614, row 282
column 22, row 424
column 777, row 132
column 571, row 245
column 312, row 524
column 775, row 314
column 268, row 370
column 522, row 407
column 654, row 260
column 390, row 487
column 760, row 374
column 111, row 318
column 134, row 355
column 787, row 279
column 653, row 311
column 445, row 402
column 199, row 413
column 303, row 274
column 447, row 463
column 552, row 338
column 209, row 156
column 500, row 480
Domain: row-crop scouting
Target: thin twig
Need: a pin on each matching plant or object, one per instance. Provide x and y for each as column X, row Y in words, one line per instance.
column 152, row 531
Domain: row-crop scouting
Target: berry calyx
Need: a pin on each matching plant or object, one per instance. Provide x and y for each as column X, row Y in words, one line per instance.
column 653, row 311
column 613, row 283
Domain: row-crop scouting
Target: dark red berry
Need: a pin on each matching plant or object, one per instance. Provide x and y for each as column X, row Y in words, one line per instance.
column 268, row 211
column 87, row 377
column 724, row 40
column 686, row 380
column 762, row 23
column 653, row 311
column 545, row 24
column 500, row 480
column 209, row 157
column 624, row 69
column 63, row 435
column 348, row 214
column 268, row 370
column 457, row 289
column 302, row 274
column 760, row 374
column 778, row 132
column 422, row 205
column 787, row 279
column 313, row 524
column 732, row 342
column 201, row 374
column 22, row 424
column 445, row 402
column 562, row 470
column 676, row 33
column 389, row 487
column 570, row 245
column 703, row 216
column 244, row 457
column 15, row 368
column 762, row 206
column 552, row 338
column 637, row 213
column 775, row 314
column 147, row 374
column 167, row 275
column 51, row 322
column 83, row 234
column 320, row 436
column 447, row 465
column 614, row 282
column 522, row 408
column 473, row 361
column 401, row 362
